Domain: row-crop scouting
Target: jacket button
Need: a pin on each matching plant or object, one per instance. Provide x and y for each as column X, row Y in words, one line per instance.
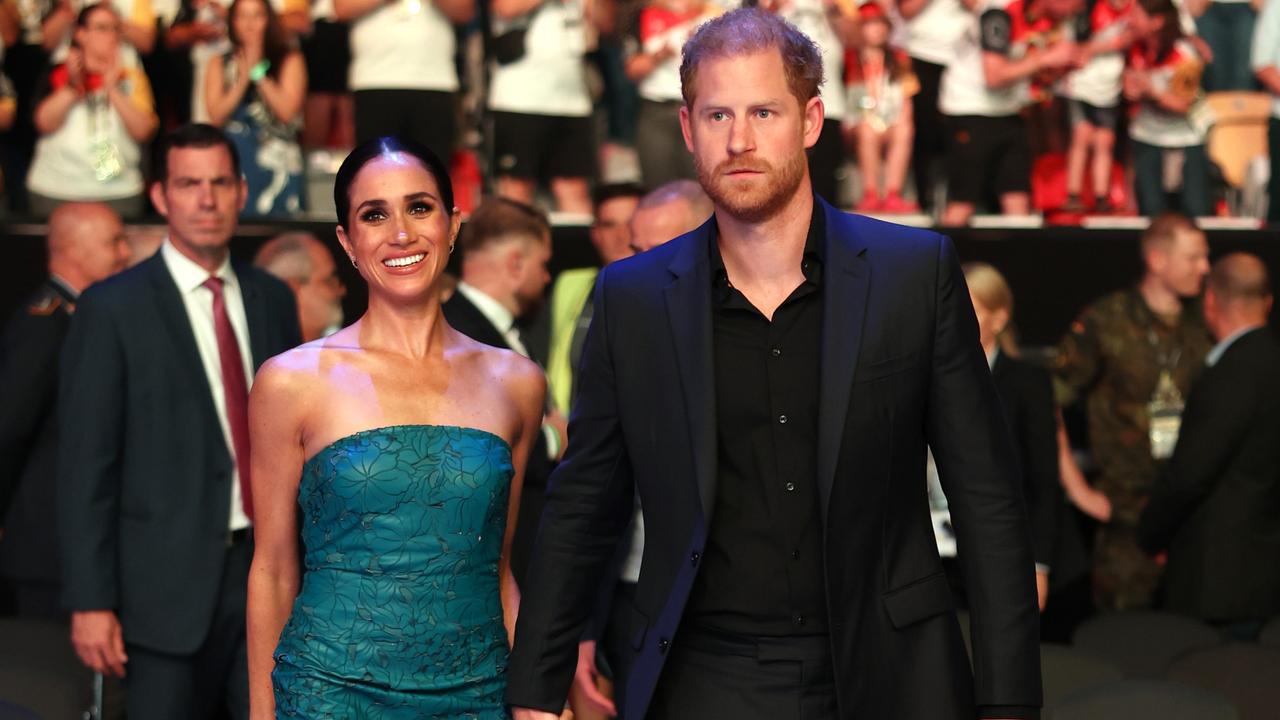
column 694, row 558
column 663, row 644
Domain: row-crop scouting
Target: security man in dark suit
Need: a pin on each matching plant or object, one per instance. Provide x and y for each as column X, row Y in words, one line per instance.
column 86, row 244
column 1216, row 508
column 505, row 248
column 154, row 510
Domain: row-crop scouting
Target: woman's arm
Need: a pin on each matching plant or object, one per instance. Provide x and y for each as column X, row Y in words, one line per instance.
column 219, row 100
column 52, row 111
column 528, row 387
column 284, row 97
column 276, row 408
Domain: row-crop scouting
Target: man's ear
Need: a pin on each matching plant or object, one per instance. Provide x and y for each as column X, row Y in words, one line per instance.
column 243, row 194
column 157, row 198
column 814, row 116
column 686, row 127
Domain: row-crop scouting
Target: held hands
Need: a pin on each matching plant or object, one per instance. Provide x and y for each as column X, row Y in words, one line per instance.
column 586, row 694
column 99, row 642
column 75, row 69
column 528, row 714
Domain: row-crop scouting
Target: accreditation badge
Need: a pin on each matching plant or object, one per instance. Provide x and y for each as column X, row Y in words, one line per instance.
column 1165, row 415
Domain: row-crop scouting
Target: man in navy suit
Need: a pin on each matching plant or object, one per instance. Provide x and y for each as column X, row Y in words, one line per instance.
column 153, row 504
column 768, row 385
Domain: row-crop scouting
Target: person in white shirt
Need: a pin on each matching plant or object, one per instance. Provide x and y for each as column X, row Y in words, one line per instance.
column 1266, row 66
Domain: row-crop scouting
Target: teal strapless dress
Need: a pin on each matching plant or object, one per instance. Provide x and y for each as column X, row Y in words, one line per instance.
column 399, row 614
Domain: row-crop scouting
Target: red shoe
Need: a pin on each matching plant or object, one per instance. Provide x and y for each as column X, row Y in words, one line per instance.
column 894, row 203
column 869, row 203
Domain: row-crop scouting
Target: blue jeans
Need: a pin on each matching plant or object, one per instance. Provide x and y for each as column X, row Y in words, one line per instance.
column 1148, row 185
column 1228, row 29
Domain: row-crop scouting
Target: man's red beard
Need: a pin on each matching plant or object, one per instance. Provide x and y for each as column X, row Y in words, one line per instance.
column 759, row 201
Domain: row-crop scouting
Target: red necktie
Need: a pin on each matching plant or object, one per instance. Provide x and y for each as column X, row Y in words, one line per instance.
column 234, row 389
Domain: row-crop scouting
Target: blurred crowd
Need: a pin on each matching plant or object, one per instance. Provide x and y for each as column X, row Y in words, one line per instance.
column 940, row 108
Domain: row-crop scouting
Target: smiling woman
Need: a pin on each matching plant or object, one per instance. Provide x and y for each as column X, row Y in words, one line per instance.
column 373, row 445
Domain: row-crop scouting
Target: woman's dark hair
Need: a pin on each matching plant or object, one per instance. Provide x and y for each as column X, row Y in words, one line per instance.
column 82, row 19
column 376, row 148
column 275, row 41
column 1170, row 31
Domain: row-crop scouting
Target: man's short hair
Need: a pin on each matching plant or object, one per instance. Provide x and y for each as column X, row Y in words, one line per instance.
column 1164, row 229
column 613, row 191
column 746, row 31
column 499, row 219
column 1240, row 277
column 193, row 135
column 287, row 256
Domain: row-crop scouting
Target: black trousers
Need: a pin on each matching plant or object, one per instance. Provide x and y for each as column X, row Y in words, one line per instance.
column 708, row 675
column 213, row 682
column 930, row 145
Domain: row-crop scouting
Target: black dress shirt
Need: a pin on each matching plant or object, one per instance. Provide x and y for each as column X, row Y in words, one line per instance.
column 762, row 573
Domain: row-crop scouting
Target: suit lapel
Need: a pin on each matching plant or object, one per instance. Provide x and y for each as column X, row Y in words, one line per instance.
column 255, row 311
column 844, row 287
column 688, row 300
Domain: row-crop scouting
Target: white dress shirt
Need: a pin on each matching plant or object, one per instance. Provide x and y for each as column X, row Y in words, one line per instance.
column 497, row 314
column 198, row 301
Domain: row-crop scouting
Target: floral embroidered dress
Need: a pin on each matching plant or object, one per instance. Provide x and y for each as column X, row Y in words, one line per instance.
column 399, row 614
column 270, row 156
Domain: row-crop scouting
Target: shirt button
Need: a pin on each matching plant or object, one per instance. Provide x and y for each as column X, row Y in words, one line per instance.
column 790, row 487
column 694, row 558
column 797, row 620
column 795, row 554
column 782, row 419
column 775, row 352
column 663, row 644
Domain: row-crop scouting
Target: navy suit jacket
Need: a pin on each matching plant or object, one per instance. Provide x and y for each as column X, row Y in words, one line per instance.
column 901, row 368
column 144, row 473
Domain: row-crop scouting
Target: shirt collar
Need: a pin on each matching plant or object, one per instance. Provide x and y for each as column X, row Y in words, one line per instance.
column 810, row 264
column 63, row 288
column 494, row 311
column 1225, row 344
column 992, row 357
column 187, row 274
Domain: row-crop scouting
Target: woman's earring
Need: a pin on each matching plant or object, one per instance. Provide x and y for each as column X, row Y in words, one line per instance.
column 354, row 264
column 451, row 246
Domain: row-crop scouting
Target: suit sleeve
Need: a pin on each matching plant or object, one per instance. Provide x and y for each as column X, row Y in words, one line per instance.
column 91, row 413
column 1039, row 435
column 1217, row 418
column 28, row 387
column 975, row 457
column 588, row 504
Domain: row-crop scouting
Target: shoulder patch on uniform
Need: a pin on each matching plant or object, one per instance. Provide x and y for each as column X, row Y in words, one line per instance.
column 46, row 306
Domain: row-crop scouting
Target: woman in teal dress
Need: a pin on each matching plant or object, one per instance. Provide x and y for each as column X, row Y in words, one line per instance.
column 392, row 451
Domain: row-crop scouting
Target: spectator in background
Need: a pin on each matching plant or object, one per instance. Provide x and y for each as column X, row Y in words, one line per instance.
column 1026, row 392
column 8, row 100
column 86, row 245
column 95, row 111
column 881, row 123
column 667, row 213
column 653, row 63
column 255, row 93
column 818, row 19
column 1266, row 65
column 539, row 101
column 1171, row 122
column 1093, row 104
column 304, row 264
column 328, row 111
column 984, row 91
column 402, row 68
column 26, row 63
column 137, row 25
column 932, row 28
column 570, row 303
column 1131, row 357
column 200, row 29
column 1216, row 508
column 1226, row 26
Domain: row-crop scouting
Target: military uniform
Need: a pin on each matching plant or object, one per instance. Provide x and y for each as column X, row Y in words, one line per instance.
column 29, row 352
column 1114, row 358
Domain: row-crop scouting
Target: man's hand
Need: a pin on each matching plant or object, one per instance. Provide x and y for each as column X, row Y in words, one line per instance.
column 98, row 641
column 585, row 697
column 529, row 714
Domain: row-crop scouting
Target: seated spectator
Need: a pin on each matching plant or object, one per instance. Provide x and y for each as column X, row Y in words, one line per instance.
column 254, row 93
column 1216, row 506
column 1093, row 104
column 653, row 63
column 95, row 110
column 880, row 83
column 1226, row 26
column 306, row 266
column 1266, row 64
column 1169, row 128
column 540, row 103
column 985, row 89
